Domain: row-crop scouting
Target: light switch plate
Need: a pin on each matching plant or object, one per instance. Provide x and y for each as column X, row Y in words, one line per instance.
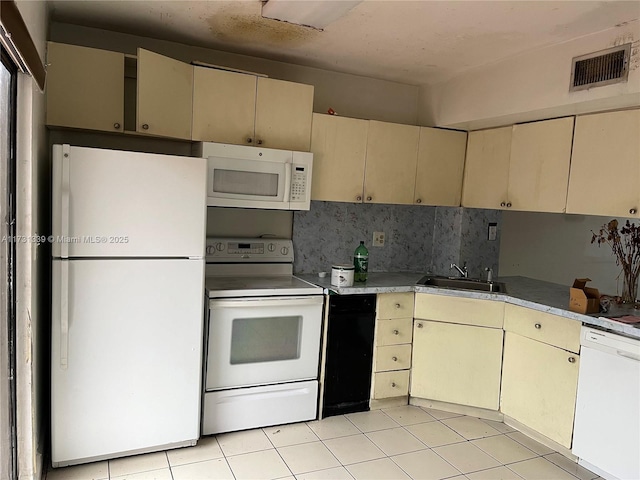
column 493, row 231
column 378, row 239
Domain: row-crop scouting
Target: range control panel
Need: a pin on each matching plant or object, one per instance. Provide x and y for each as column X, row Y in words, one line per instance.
column 249, row 250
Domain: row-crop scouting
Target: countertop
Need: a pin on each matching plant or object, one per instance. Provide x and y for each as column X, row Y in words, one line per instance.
column 527, row 292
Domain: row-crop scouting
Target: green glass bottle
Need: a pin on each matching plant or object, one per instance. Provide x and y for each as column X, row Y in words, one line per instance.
column 361, row 263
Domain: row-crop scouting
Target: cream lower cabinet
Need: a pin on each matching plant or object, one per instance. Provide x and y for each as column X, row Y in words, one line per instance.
column 85, row 88
column 539, row 374
column 392, row 351
column 457, row 350
column 339, row 146
column 605, row 166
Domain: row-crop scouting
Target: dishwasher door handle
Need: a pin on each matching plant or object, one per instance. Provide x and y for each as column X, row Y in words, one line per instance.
column 631, row 356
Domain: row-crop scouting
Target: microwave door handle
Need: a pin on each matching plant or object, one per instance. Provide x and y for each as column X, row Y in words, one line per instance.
column 287, row 182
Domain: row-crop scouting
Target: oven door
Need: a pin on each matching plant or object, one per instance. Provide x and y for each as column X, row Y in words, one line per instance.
column 263, row 340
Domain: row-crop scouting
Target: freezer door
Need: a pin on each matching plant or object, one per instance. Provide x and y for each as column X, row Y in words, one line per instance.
column 126, row 356
column 110, row 203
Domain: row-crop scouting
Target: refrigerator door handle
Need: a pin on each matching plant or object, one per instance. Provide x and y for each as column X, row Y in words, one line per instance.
column 64, row 315
column 64, row 221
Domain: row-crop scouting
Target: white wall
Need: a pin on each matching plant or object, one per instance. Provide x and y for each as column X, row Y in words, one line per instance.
column 32, row 261
column 557, row 248
column 349, row 95
column 531, row 86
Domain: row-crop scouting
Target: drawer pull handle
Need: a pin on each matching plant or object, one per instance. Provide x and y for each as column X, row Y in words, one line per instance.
column 145, row 126
column 538, row 326
column 395, row 359
column 249, row 140
column 369, row 199
column 359, row 198
column 508, row 204
column 419, row 325
column 633, row 211
column 419, row 200
column 393, row 384
column 116, row 126
column 397, row 305
column 396, row 332
column 503, row 204
column 572, row 360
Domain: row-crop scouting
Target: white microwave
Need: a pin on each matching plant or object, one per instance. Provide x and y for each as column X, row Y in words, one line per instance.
column 255, row 177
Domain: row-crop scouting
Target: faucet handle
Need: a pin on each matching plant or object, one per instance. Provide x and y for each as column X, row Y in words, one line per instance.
column 489, row 271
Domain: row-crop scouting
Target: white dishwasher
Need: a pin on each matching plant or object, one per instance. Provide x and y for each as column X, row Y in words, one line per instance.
column 606, row 436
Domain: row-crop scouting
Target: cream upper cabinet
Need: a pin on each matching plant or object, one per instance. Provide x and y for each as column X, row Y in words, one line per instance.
column 245, row 109
column 523, row 167
column 440, row 167
column 283, row 114
column 164, row 96
column 486, row 172
column 392, row 154
column 539, row 386
column 85, row 88
column 224, row 106
column 539, row 165
column 605, row 165
column 339, row 147
column 456, row 363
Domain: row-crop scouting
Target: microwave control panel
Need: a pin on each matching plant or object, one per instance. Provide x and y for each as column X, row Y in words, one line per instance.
column 298, row 183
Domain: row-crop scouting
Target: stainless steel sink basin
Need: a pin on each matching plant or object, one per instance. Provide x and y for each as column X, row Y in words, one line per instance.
column 462, row 283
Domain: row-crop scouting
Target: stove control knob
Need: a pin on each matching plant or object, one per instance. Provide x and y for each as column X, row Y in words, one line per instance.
column 284, row 250
column 210, row 250
column 219, row 246
column 271, row 247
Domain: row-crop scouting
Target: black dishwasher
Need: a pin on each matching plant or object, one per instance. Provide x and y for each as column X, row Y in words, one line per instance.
column 349, row 354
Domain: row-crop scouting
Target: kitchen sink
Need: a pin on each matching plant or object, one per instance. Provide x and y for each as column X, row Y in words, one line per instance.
column 462, row 283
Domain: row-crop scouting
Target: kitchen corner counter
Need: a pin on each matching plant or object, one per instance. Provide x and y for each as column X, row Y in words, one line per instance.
column 538, row 295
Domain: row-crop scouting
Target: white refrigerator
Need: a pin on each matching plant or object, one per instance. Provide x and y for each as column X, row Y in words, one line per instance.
column 127, row 302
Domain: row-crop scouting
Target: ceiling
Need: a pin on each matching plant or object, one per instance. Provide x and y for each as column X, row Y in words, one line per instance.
column 413, row 42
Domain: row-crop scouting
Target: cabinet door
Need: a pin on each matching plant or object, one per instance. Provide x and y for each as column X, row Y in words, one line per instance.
column 224, row 106
column 456, row 363
column 283, row 114
column 85, row 88
column 165, row 96
column 539, row 385
column 486, row 173
column 539, row 165
column 605, row 166
column 339, row 147
column 440, row 167
column 392, row 154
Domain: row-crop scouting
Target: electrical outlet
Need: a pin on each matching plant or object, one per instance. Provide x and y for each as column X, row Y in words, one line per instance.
column 378, row 239
column 493, row 231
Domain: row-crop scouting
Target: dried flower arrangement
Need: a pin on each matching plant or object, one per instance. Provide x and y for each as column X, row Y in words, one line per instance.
column 625, row 244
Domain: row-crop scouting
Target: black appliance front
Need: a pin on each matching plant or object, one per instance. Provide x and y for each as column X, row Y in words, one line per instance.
column 349, row 357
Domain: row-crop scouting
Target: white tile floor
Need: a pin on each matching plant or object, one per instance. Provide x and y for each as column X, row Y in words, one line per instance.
column 395, row 443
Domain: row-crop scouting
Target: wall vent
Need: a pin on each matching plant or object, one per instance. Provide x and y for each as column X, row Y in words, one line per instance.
column 600, row 68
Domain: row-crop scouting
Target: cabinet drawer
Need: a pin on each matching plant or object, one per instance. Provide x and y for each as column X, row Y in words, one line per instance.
column 544, row 327
column 392, row 357
column 395, row 305
column 394, row 332
column 390, row 384
column 466, row 311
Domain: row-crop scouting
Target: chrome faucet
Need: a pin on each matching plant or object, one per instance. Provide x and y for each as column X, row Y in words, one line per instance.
column 463, row 271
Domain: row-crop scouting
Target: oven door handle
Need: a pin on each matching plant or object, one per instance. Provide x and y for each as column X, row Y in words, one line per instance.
column 268, row 302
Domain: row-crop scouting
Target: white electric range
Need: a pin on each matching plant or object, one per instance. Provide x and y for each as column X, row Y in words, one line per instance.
column 263, row 337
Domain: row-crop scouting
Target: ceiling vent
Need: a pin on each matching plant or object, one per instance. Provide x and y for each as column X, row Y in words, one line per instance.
column 600, row 68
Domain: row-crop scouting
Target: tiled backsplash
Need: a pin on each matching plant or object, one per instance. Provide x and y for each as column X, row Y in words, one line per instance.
column 418, row 238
